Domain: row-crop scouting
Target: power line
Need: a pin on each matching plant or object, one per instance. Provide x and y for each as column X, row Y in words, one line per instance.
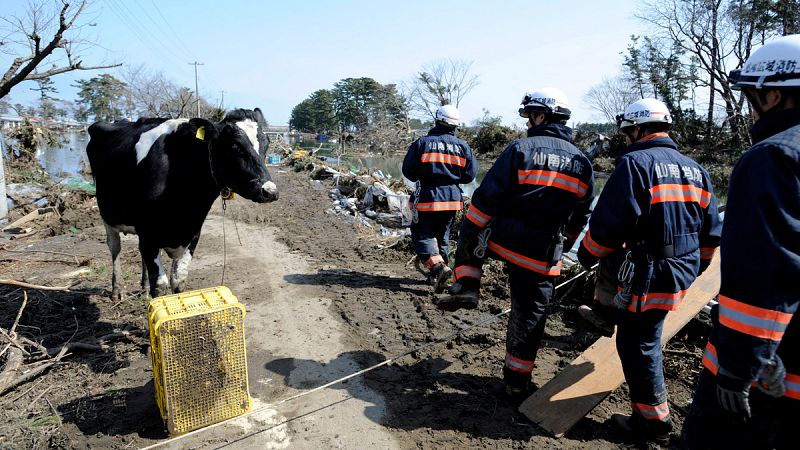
column 147, row 37
column 172, row 30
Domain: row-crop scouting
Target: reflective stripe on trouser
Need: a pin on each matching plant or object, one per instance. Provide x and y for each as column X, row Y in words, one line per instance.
column 519, row 365
column 467, row 272
column 432, row 261
column 639, row 348
column 467, row 265
column 431, row 234
column 530, row 294
column 773, row 421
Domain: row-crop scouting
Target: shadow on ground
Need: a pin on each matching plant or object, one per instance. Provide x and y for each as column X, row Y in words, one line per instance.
column 359, row 280
column 414, row 395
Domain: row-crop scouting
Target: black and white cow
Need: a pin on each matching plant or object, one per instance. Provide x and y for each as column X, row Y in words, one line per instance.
column 158, row 178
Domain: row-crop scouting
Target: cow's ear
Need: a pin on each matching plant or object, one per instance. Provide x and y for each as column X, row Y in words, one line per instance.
column 259, row 116
column 203, row 130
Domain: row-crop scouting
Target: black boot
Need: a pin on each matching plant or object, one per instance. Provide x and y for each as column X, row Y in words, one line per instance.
column 639, row 428
column 600, row 316
column 463, row 295
column 438, row 277
column 518, row 386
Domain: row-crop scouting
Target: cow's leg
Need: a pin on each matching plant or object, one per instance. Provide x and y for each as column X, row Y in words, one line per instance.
column 181, row 257
column 114, row 245
column 145, row 278
column 180, row 265
column 155, row 272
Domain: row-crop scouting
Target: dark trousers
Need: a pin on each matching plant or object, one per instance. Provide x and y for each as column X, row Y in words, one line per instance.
column 639, row 349
column 530, row 295
column 431, row 234
column 774, row 422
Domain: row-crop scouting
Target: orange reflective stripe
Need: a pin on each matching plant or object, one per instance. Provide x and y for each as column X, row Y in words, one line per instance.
column 710, row 361
column 440, row 206
column 554, row 179
column 477, row 217
column 593, row 247
column 433, row 260
column 792, row 383
column 654, row 135
column 444, row 158
column 680, row 193
column 748, row 319
column 652, row 412
column 525, row 262
column 707, row 252
column 519, row 365
column 657, row 300
column 468, row 272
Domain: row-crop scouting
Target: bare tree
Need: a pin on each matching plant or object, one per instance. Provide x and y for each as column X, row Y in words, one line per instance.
column 47, row 35
column 611, row 96
column 442, row 82
column 719, row 36
column 153, row 95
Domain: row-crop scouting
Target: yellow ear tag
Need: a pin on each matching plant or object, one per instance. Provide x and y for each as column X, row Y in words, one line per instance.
column 201, row 133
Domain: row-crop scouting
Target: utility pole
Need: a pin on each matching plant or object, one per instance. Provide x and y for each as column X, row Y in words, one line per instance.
column 196, row 87
column 222, row 100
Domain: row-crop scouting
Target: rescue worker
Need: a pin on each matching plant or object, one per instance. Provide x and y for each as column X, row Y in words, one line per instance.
column 756, row 336
column 658, row 213
column 539, row 188
column 437, row 163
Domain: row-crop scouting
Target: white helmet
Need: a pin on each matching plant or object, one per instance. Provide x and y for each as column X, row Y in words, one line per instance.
column 448, row 114
column 646, row 110
column 547, row 100
column 775, row 65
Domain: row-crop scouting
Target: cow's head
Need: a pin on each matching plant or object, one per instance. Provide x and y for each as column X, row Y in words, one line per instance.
column 237, row 155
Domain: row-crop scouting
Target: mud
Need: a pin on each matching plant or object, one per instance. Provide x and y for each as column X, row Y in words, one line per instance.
column 374, row 305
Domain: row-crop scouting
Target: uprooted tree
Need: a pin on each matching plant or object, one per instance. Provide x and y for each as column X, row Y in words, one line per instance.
column 48, row 35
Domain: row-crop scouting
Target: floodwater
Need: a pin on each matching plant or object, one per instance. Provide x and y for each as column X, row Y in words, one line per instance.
column 68, row 159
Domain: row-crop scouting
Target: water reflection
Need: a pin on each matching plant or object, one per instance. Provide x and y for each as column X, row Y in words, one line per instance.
column 67, row 159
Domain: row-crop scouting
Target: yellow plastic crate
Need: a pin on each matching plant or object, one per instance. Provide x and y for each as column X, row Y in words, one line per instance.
column 199, row 358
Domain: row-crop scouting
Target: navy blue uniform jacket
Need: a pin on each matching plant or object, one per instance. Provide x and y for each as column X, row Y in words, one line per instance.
column 440, row 162
column 538, row 187
column 760, row 257
column 660, row 205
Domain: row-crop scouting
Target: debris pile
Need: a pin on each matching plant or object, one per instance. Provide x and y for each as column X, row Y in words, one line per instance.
column 377, row 201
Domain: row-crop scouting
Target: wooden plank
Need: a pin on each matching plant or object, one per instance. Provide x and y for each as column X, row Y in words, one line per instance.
column 585, row 382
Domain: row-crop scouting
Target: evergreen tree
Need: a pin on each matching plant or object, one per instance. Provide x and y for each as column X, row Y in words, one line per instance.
column 100, row 97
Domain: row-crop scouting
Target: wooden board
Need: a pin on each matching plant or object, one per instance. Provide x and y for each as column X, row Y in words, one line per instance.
column 586, row 381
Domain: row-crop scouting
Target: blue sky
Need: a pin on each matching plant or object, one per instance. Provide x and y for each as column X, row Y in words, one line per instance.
column 273, row 54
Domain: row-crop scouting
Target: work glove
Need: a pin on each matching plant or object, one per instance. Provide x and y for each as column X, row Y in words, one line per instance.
column 733, row 393
column 770, row 378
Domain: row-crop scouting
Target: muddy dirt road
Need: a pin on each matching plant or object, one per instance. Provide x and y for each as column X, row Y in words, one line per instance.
column 323, row 301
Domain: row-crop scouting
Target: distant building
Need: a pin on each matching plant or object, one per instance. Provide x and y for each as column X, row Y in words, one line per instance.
column 8, row 122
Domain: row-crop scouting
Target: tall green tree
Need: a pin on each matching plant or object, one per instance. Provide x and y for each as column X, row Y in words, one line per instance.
column 301, row 118
column 352, row 98
column 315, row 114
column 101, row 97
